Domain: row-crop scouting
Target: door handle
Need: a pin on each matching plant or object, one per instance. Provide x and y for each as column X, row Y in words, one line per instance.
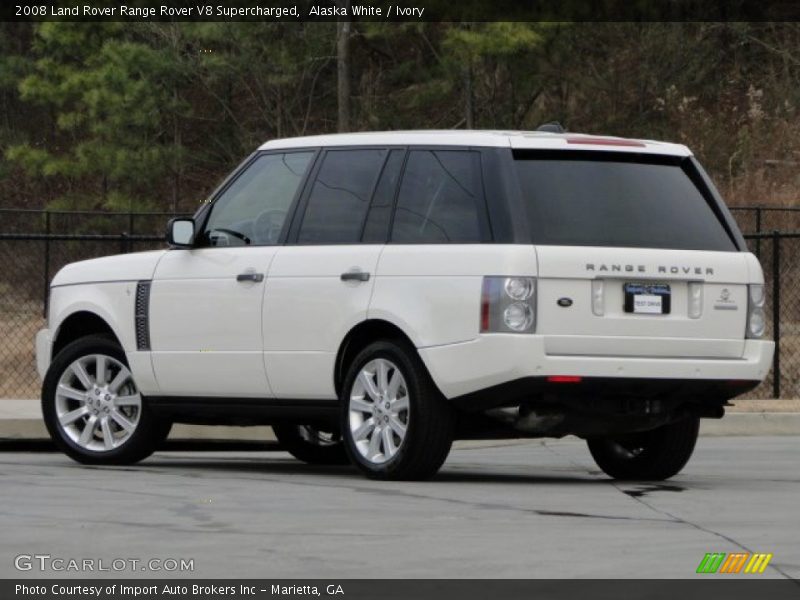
column 249, row 276
column 355, row 276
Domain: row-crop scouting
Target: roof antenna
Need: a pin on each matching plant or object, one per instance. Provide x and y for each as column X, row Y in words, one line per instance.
column 552, row 127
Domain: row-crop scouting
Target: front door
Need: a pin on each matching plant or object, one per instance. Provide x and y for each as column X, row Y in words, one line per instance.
column 205, row 302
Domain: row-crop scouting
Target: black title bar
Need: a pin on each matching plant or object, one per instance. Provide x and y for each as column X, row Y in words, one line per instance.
column 401, row 10
column 705, row 588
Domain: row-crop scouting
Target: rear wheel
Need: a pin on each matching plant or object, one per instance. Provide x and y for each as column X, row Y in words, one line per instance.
column 651, row 455
column 312, row 445
column 395, row 423
column 93, row 409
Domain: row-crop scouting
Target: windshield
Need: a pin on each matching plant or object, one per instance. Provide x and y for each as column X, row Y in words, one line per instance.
column 614, row 199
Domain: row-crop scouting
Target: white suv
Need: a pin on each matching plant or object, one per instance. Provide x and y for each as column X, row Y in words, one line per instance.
column 375, row 296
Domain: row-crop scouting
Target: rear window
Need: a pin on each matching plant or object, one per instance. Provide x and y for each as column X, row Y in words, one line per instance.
column 611, row 199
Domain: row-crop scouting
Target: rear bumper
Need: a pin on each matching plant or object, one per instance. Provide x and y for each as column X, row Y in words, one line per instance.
column 605, row 395
column 44, row 349
column 493, row 360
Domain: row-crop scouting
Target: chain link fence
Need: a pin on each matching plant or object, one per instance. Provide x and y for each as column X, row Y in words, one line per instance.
column 766, row 219
column 779, row 254
column 34, row 245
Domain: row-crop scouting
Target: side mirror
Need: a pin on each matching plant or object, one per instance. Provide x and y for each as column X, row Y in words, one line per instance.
column 180, row 232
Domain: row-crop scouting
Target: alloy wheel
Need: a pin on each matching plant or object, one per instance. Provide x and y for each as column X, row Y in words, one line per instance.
column 97, row 403
column 379, row 411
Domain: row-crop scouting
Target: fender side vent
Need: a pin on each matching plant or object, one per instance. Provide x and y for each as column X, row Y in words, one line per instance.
column 142, row 315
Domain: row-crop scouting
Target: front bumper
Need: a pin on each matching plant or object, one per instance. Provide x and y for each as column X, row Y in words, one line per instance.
column 493, row 360
column 44, row 350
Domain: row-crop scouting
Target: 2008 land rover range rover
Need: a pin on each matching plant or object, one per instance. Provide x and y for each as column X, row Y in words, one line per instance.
column 375, row 296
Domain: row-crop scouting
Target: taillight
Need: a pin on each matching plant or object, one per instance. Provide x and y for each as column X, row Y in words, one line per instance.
column 756, row 317
column 591, row 141
column 508, row 305
column 564, row 379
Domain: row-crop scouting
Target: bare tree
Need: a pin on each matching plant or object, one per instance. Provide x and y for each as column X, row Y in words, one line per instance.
column 343, row 29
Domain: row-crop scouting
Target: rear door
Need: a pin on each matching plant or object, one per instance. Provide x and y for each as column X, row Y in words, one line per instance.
column 634, row 259
column 430, row 274
column 320, row 283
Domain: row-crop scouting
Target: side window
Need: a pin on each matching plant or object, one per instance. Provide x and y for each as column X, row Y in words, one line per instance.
column 253, row 210
column 339, row 199
column 440, row 199
column 376, row 229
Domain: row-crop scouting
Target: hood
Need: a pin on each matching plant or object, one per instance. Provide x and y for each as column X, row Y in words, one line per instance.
column 122, row 267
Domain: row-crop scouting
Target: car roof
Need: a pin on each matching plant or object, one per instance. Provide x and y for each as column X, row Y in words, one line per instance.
column 534, row 140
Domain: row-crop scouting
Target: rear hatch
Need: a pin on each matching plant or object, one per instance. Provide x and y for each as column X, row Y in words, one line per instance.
column 635, row 258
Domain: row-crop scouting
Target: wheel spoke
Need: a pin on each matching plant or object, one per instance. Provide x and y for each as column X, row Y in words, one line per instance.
column 364, row 430
column 360, row 405
column 122, row 421
column 88, row 431
column 70, row 392
column 374, row 443
column 398, row 427
column 73, row 415
column 118, row 380
column 383, row 376
column 132, row 400
column 100, row 369
column 394, row 385
column 369, row 385
column 400, row 404
column 389, row 448
column 82, row 375
column 108, row 437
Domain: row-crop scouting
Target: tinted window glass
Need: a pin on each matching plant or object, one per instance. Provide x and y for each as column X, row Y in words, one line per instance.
column 340, row 197
column 610, row 202
column 253, row 209
column 376, row 229
column 440, row 199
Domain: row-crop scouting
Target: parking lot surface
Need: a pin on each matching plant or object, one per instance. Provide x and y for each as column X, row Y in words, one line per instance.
column 521, row 509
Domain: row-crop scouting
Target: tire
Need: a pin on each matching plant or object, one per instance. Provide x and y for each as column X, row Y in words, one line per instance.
column 123, row 428
column 312, row 445
column 649, row 456
column 418, row 421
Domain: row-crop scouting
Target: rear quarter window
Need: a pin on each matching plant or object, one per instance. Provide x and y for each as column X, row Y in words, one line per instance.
column 441, row 199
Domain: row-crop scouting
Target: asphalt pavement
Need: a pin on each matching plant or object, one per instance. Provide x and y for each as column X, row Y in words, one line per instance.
column 521, row 509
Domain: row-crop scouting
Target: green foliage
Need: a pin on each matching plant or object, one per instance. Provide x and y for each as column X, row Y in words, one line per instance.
column 484, row 40
column 116, row 93
column 151, row 115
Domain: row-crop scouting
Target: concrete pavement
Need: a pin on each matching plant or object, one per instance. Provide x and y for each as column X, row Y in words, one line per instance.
column 522, row 509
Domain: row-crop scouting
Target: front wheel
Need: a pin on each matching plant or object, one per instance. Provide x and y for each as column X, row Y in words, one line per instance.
column 93, row 409
column 395, row 423
column 651, row 455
